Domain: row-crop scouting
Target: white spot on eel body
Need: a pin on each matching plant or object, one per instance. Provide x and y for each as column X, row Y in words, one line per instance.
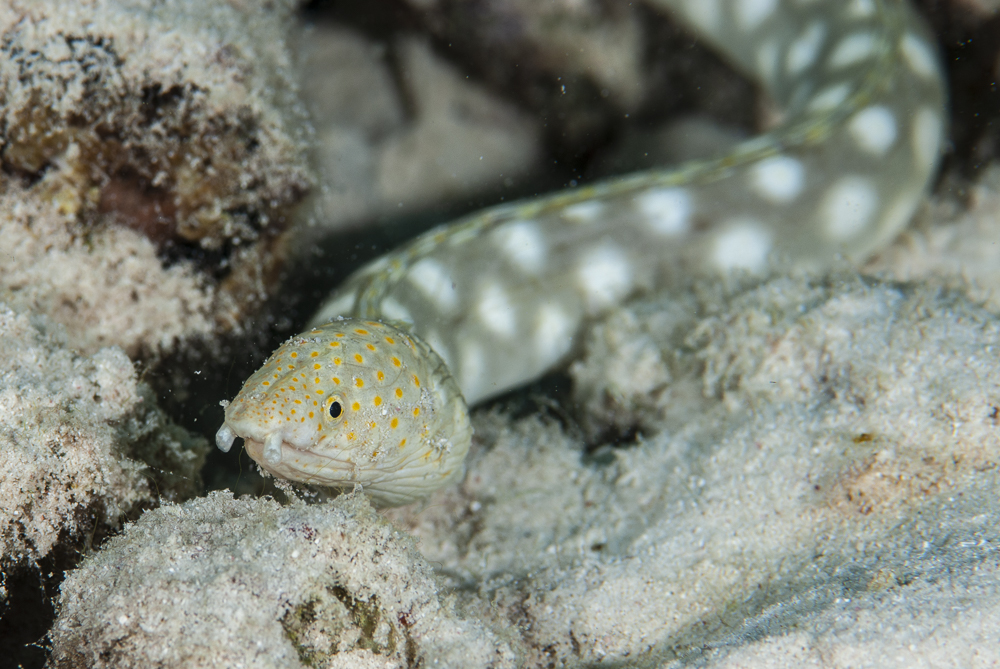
column 804, row 50
column 751, row 13
column 667, row 210
column 393, row 309
column 744, row 244
column 523, row 244
column 767, row 61
column 898, row 214
column 472, row 368
column 340, row 306
column 584, row 212
column 830, row 97
column 874, row 129
column 553, row 333
column 434, row 340
column 705, row 14
column 861, row 9
column 779, row 179
column 495, row 310
column 433, row 280
column 848, row 207
column 605, row 276
column 852, row 49
column 926, row 137
column 919, row 56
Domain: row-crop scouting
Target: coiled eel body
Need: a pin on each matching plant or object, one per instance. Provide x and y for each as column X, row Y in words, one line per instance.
column 496, row 298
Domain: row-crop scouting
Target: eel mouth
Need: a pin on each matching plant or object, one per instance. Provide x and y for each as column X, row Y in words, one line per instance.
column 333, row 471
column 269, row 450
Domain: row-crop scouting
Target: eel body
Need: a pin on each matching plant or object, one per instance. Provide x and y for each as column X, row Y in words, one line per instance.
column 497, row 298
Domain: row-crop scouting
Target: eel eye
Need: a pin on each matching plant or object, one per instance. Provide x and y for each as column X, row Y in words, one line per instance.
column 336, row 408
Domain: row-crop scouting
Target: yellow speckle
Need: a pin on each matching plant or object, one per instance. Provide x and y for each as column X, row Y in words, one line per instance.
column 350, row 436
column 381, row 375
column 319, row 391
column 370, row 347
column 372, row 425
column 298, row 401
column 402, row 443
column 337, row 361
column 356, row 407
column 396, row 361
column 390, row 340
column 317, row 379
column 399, row 393
column 267, row 383
column 416, row 411
column 359, row 382
column 311, row 415
column 361, row 332
column 335, row 344
column 317, row 366
column 294, row 354
column 340, row 334
column 319, row 427
column 416, row 380
column 394, row 423
column 293, row 411
column 335, row 380
column 313, row 354
column 378, row 401
column 358, row 358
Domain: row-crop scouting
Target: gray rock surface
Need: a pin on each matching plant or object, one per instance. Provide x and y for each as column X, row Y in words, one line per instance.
column 391, row 142
column 130, row 128
column 84, row 444
column 250, row 583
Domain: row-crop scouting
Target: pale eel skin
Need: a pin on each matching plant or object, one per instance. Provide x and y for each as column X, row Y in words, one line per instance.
column 501, row 295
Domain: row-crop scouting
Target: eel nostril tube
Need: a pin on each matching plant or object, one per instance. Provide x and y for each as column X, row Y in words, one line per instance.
column 224, row 438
